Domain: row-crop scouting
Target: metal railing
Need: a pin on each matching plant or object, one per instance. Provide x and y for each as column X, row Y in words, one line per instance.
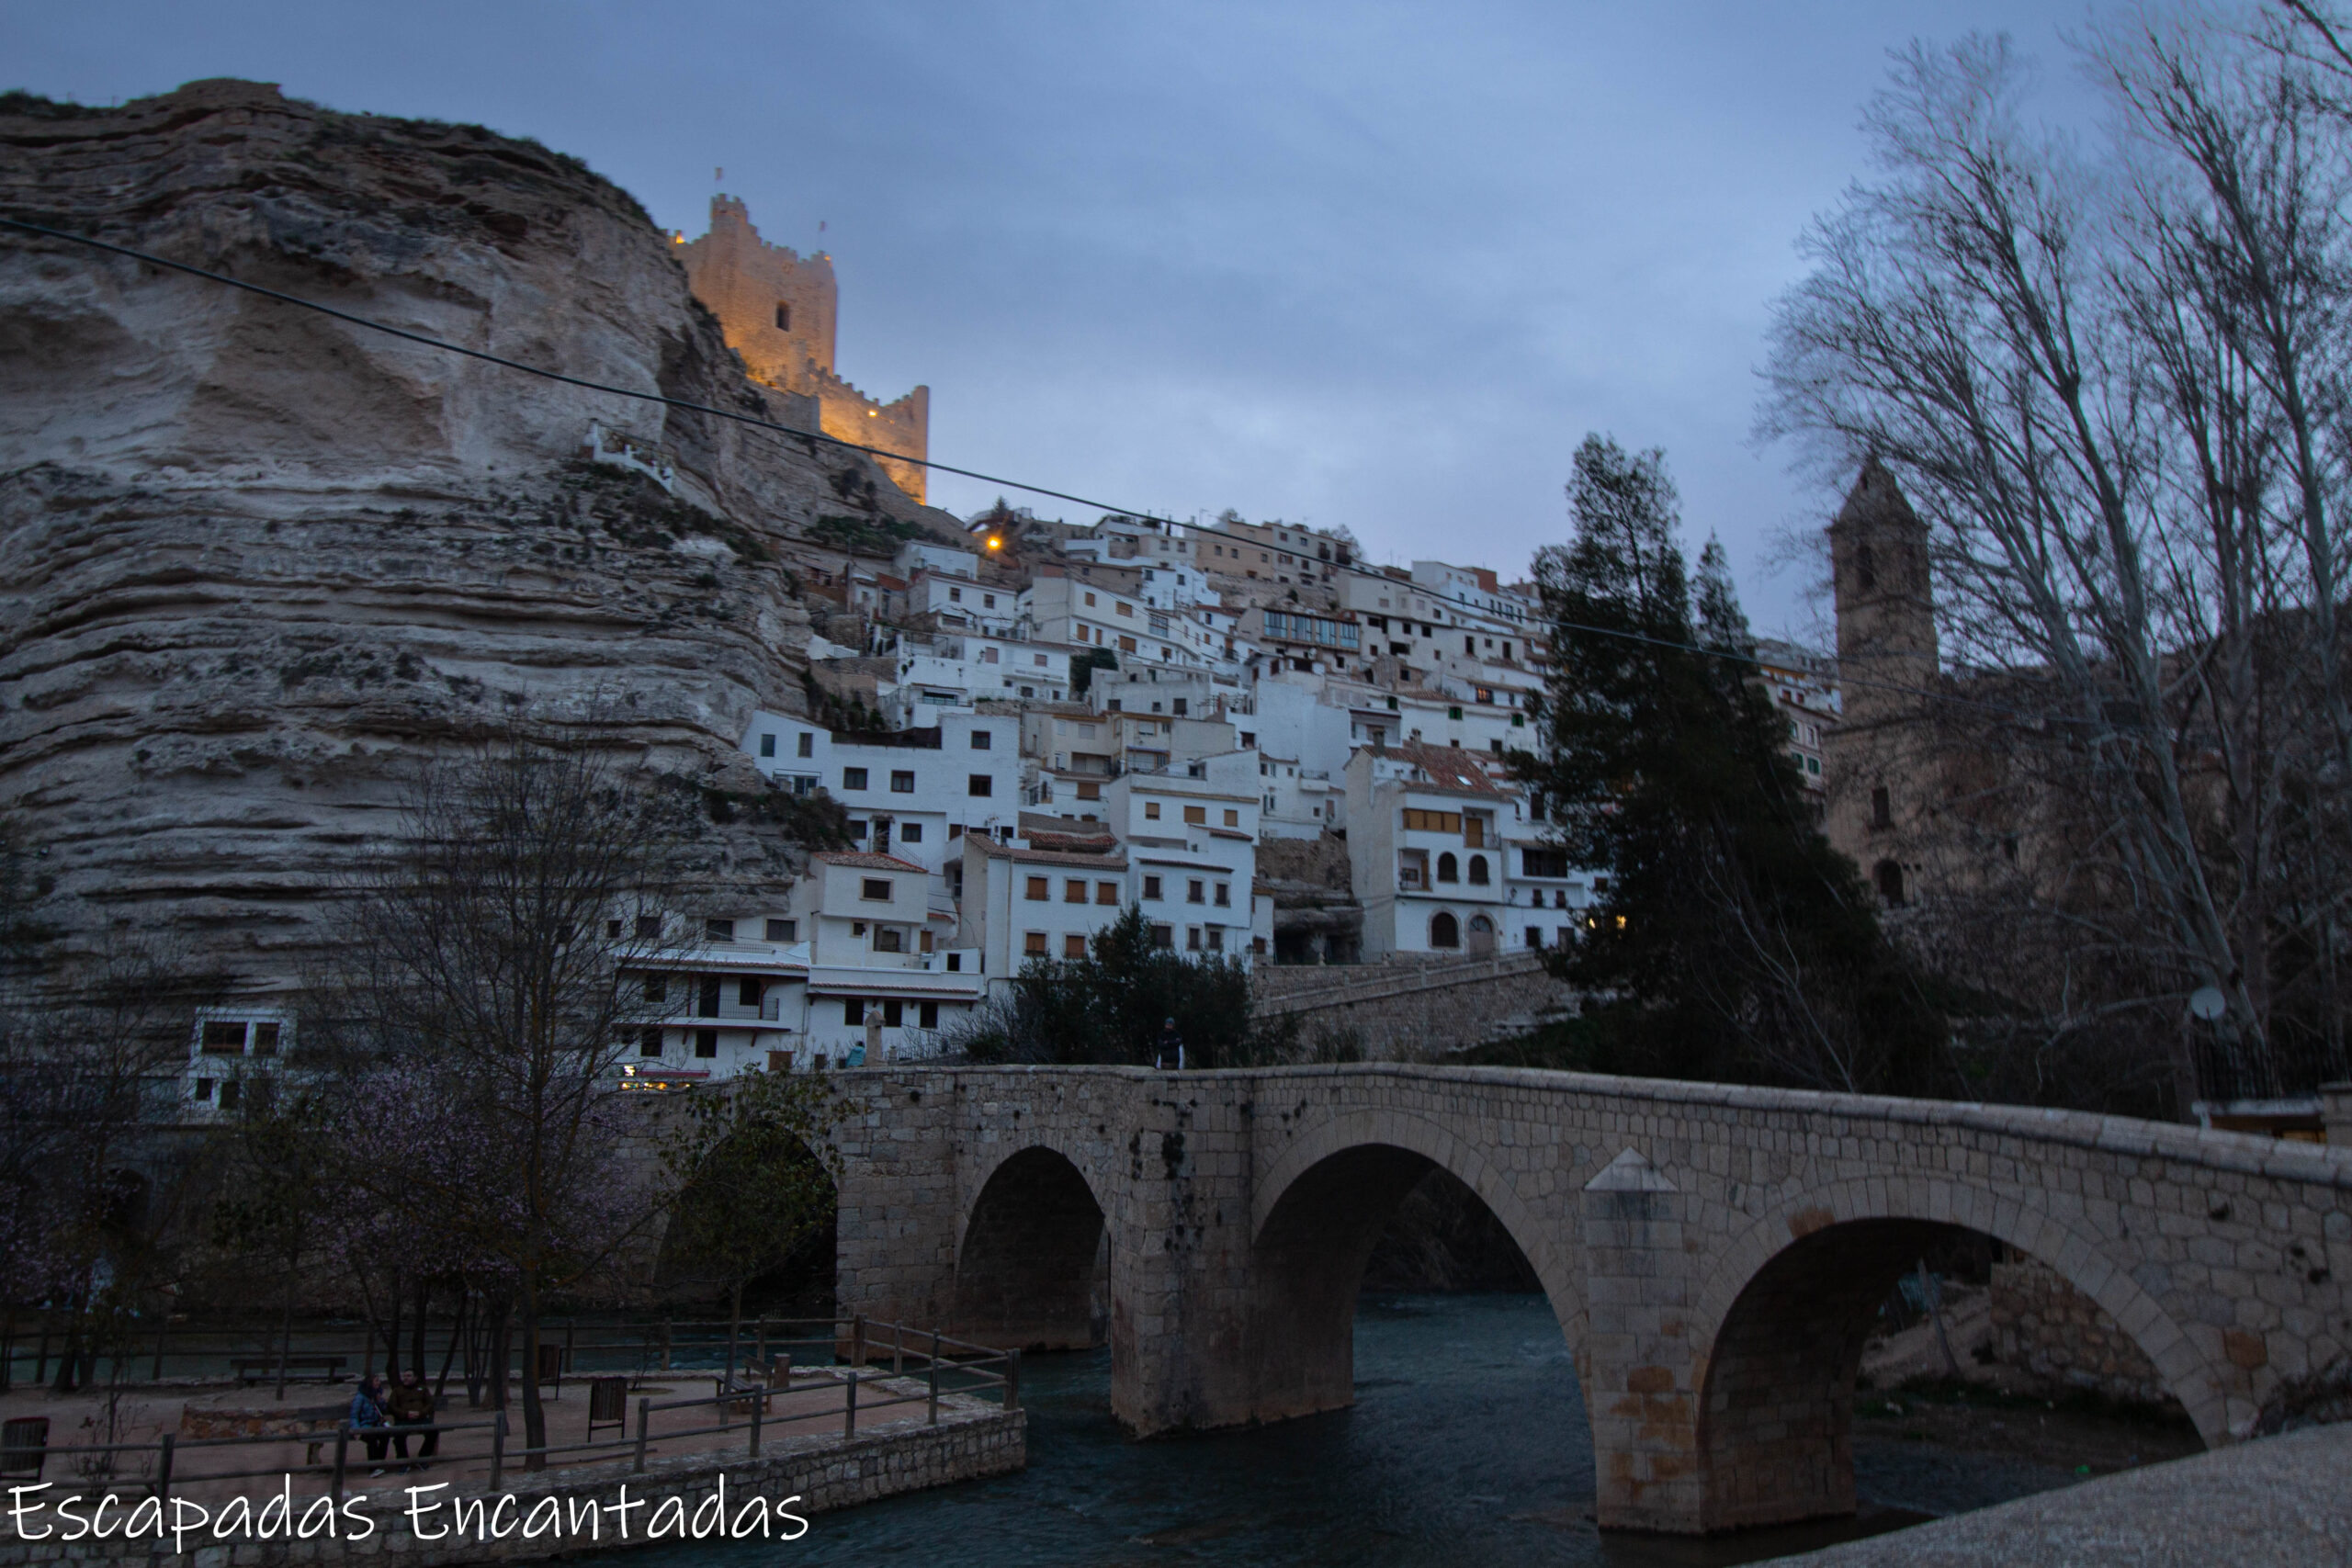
column 32, row 1344
column 944, row 1368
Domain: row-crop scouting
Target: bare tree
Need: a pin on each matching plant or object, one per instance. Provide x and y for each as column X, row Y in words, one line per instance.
column 483, row 1015
column 2113, row 387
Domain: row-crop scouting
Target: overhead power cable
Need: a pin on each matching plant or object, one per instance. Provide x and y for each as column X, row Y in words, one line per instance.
column 735, row 416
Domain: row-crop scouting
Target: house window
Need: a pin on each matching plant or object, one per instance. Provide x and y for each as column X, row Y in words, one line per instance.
column 910, row 833
column 1448, row 869
column 1151, row 811
column 1089, row 790
column 894, row 1013
column 1126, row 645
column 1225, row 896
column 979, row 784
column 853, row 778
column 1073, row 946
column 657, row 988
column 264, row 1039
column 1106, row 893
column 649, row 1043
column 1195, row 892
column 874, row 889
column 229, row 1089
column 807, row 747
column 1037, row 890
column 1151, row 888
column 1535, row 936
column 1163, row 936
column 719, row 931
column 706, row 1043
column 1196, row 815
column 1881, row 808
column 930, row 1015
column 767, row 745
column 748, row 992
column 857, row 827
column 1191, row 939
column 1444, row 931
column 648, row 927
column 902, row 781
column 1889, row 877
column 225, row 1039
column 980, row 739
column 1432, row 822
column 1478, row 870
column 956, row 596
column 784, row 931
column 888, row 939
column 1217, row 939
column 853, row 1011
column 987, row 601
column 782, row 317
column 1033, row 944
column 1232, row 817
column 708, row 1002
column 1073, row 891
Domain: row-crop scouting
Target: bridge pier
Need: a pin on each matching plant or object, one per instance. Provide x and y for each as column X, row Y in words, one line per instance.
column 1713, row 1253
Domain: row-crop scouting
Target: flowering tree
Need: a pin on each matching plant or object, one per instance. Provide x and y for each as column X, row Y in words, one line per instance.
column 481, row 1019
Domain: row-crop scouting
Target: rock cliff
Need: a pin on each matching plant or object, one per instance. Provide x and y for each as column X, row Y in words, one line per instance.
column 259, row 562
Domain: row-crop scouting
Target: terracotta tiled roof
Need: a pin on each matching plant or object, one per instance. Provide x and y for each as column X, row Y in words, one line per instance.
column 865, row 862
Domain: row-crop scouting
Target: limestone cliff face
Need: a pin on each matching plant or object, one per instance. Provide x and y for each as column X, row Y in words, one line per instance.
column 254, row 563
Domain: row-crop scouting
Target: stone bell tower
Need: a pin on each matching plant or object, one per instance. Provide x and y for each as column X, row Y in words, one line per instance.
column 1881, row 760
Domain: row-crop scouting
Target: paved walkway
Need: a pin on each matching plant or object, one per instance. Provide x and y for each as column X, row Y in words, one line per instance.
column 2282, row 1503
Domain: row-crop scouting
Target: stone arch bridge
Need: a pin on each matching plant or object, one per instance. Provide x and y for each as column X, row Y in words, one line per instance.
column 1712, row 1253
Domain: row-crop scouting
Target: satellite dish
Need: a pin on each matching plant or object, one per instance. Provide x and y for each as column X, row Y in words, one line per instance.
column 2208, row 1003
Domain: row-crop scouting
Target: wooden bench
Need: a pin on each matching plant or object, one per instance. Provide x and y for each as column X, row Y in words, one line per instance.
column 299, row 1368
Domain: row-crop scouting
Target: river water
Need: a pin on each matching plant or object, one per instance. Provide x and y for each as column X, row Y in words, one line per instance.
column 1467, row 1443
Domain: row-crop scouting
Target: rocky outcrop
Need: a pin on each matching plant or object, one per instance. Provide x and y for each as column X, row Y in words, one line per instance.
column 260, row 562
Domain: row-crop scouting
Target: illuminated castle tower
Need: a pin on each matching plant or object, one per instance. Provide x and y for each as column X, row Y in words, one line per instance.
column 778, row 309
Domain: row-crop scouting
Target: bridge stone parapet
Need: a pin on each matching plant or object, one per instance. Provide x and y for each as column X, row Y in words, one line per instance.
column 1712, row 1253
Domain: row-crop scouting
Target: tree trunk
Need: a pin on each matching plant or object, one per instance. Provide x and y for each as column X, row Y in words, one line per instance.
column 457, row 1330
column 285, row 1328
column 535, row 1414
column 734, row 1326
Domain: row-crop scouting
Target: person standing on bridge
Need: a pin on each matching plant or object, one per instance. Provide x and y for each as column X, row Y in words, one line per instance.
column 1171, row 1048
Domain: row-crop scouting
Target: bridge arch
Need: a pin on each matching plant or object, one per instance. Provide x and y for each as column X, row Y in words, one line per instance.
column 1317, row 1212
column 1032, row 1254
column 1782, row 1316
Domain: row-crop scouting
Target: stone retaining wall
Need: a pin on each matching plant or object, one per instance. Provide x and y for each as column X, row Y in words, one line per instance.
column 2045, row 1325
column 1405, row 1011
column 974, row 1438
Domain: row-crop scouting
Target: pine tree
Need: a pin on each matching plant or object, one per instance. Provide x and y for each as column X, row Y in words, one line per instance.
column 1732, row 942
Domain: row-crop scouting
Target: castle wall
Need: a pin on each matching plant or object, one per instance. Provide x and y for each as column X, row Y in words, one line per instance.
column 742, row 278
column 746, row 282
column 848, row 414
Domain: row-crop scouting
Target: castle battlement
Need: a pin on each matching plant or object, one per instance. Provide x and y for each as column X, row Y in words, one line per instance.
column 778, row 309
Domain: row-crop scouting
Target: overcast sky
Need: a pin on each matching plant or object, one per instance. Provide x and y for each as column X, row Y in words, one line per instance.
column 1373, row 264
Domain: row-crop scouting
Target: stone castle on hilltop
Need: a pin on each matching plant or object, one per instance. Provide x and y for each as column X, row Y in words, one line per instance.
column 778, row 309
